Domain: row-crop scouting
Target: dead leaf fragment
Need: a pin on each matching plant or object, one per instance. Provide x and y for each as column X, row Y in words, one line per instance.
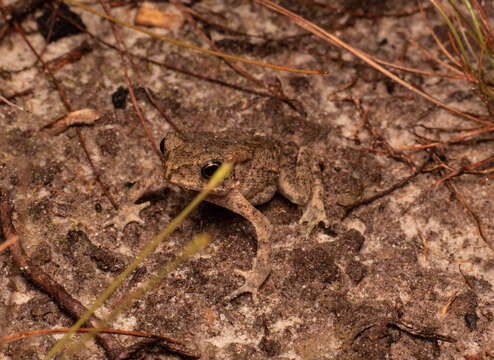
column 164, row 17
column 78, row 117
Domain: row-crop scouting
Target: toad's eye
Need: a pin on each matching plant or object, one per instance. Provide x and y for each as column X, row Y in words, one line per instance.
column 162, row 146
column 208, row 169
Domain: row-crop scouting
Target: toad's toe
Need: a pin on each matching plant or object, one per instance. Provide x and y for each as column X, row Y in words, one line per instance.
column 312, row 217
column 253, row 281
column 127, row 214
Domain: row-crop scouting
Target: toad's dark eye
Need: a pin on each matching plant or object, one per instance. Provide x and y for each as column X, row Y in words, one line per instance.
column 162, row 146
column 208, row 169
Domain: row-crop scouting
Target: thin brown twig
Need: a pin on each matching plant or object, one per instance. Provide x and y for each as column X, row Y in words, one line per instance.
column 152, row 100
column 390, row 150
column 363, row 119
column 484, row 89
column 9, row 240
column 451, row 169
column 349, row 208
column 218, row 25
column 479, row 62
column 460, row 73
column 64, row 100
column 408, row 328
column 343, row 87
column 19, row 29
column 418, row 71
column 323, row 34
column 51, row 22
column 43, row 332
column 473, row 214
column 378, row 139
column 69, row 57
column 433, row 34
column 483, row 17
column 466, row 27
column 453, row 140
column 448, row 129
column 25, row 92
column 42, row 280
column 446, row 307
column 64, row 300
column 366, row 14
column 462, row 170
column 4, row 30
column 120, row 45
column 467, row 281
column 478, row 222
column 20, row 9
column 5, row 100
column 466, row 70
column 190, row 46
column 96, row 172
column 276, row 92
column 51, row 25
column 424, row 243
column 167, row 66
column 171, row 344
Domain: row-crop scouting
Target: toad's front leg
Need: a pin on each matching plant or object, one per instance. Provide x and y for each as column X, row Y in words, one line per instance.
column 261, row 267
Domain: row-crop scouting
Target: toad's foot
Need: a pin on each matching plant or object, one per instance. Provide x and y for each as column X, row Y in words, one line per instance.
column 314, row 214
column 312, row 217
column 126, row 214
column 253, row 280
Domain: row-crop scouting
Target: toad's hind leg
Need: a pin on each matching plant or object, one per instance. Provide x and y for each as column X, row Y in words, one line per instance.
column 304, row 187
column 261, row 268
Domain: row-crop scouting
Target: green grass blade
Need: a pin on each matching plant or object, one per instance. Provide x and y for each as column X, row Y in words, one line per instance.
column 198, row 243
column 217, row 178
column 454, row 32
column 476, row 25
column 478, row 31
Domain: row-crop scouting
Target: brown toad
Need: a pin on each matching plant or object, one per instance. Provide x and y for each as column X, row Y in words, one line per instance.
column 260, row 169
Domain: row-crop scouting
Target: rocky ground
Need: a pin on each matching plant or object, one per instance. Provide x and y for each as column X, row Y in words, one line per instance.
column 406, row 276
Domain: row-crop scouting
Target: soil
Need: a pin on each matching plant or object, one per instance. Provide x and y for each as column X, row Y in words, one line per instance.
column 406, row 276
